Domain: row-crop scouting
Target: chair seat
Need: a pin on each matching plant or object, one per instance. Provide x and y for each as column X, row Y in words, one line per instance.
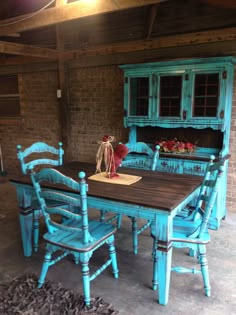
column 74, row 240
column 183, row 229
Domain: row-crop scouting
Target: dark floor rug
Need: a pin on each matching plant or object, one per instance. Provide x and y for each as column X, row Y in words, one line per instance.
column 21, row 296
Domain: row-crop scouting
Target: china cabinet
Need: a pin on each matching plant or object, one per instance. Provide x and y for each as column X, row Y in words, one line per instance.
column 188, row 100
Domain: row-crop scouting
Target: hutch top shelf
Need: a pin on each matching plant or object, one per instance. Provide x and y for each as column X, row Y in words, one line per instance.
column 182, row 93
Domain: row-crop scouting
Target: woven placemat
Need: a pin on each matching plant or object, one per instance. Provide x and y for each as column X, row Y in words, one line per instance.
column 123, row 179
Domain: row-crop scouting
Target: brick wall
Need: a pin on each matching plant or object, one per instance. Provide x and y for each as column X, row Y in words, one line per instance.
column 39, row 120
column 231, row 191
column 96, row 109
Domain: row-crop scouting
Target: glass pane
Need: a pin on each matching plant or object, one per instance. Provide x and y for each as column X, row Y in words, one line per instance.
column 212, row 102
column 9, row 85
column 206, row 95
column 199, row 111
column 170, row 95
column 210, row 112
column 139, row 96
column 9, row 107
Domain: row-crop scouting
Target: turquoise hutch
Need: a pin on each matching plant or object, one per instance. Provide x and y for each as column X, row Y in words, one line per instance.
column 189, row 100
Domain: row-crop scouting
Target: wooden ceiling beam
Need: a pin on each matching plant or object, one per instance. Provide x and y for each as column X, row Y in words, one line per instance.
column 33, row 51
column 67, row 12
column 6, row 60
column 152, row 17
column 189, row 39
column 195, row 38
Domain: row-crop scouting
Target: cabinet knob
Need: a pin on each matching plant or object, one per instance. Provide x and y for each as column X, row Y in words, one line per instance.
column 184, row 114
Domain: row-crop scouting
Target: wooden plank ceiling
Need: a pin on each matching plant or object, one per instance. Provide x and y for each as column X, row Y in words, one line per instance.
column 62, row 30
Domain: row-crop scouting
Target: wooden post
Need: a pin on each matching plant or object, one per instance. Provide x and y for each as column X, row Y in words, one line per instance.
column 63, row 93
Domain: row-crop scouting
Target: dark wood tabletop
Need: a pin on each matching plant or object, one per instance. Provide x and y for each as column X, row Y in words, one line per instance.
column 159, row 190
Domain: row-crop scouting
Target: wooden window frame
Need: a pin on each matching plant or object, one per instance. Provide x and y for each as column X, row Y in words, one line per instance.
column 9, row 97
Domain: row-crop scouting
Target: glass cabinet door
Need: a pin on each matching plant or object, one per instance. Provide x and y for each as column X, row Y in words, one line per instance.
column 170, row 95
column 139, row 95
column 206, row 95
column 178, row 94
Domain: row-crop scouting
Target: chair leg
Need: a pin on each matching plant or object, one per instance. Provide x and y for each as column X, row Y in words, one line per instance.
column 117, row 218
column 35, row 232
column 119, row 221
column 204, row 269
column 135, row 235
column 84, row 260
column 155, row 266
column 103, row 216
column 192, row 252
column 46, row 265
column 112, row 252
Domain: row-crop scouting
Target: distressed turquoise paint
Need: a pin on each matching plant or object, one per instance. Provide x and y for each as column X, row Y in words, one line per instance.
column 33, row 156
column 187, row 69
column 39, row 148
column 190, row 232
column 75, row 235
column 140, row 156
column 162, row 220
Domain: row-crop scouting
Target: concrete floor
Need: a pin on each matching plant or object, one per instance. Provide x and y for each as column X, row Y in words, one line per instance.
column 131, row 293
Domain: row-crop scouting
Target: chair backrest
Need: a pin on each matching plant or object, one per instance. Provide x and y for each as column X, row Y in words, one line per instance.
column 51, row 179
column 39, row 153
column 208, row 193
column 141, row 155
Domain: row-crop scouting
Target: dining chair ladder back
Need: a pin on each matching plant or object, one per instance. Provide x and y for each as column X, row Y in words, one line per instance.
column 141, row 156
column 75, row 235
column 193, row 233
column 38, row 155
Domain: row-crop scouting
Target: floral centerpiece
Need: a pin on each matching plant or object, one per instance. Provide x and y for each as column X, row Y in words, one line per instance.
column 112, row 158
column 175, row 146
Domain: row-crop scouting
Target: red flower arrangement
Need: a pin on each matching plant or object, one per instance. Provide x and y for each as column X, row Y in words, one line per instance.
column 175, row 146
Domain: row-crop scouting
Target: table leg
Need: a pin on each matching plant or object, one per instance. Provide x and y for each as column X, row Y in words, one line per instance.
column 164, row 257
column 26, row 227
column 24, row 197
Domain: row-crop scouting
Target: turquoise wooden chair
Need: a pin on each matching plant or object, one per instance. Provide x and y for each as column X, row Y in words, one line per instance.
column 39, row 154
column 75, row 235
column 140, row 156
column 190, row 211
column 193, row 232
column 38, row 151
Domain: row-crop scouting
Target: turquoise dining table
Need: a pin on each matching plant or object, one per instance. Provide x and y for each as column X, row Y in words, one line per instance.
column 157, row 196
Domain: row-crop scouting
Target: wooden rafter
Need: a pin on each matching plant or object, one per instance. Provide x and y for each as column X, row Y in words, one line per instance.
column 63, row 100
column 195, row 38
column 33, row 51
column 204, row 37
column 67, row 12
column 20, row 60
column 151, row 20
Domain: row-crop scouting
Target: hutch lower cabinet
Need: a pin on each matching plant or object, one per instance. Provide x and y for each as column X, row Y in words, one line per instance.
column 187, row 101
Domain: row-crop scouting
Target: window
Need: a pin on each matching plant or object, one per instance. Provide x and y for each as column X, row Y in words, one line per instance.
column 9, row 96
